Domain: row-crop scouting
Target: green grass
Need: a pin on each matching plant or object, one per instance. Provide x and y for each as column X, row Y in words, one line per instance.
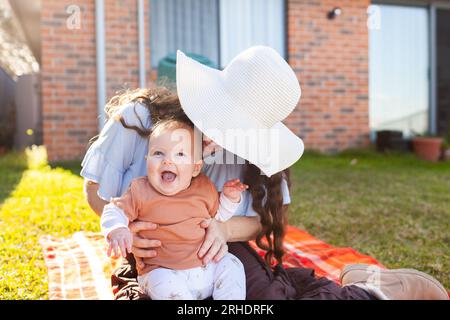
column 35, row 200
column 393, row 207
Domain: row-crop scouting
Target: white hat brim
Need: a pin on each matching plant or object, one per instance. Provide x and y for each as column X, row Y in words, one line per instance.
column 205, row 100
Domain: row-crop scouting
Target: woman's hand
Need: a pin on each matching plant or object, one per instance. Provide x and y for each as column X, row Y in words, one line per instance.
column 142, row 247
column 215, row 245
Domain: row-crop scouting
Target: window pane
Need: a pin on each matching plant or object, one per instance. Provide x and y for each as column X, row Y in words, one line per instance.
column 245, row 23
column 193, row 26
column 188, row 25
column 399, row 67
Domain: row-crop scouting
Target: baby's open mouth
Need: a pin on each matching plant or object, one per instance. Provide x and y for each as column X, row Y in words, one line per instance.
column 168, row 176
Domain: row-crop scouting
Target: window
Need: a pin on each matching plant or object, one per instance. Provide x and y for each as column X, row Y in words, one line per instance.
column 216, row 29
column 244, row 23
column 399, row 70
column 188, row 25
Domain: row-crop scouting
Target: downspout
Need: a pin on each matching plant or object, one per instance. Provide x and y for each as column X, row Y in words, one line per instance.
column 101, row 61
column 433, row 71
column 141, row 35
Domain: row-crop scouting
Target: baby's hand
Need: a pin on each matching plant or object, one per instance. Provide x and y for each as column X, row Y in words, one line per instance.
column 232, row 190
column 120, row 238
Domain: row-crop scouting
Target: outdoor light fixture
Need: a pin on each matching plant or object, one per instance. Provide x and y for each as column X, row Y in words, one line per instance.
column 334, row 13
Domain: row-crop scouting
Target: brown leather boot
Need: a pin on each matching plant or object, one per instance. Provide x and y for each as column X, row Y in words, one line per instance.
column 395, row 284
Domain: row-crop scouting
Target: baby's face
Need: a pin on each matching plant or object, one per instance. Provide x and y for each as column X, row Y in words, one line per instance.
column 170, row 162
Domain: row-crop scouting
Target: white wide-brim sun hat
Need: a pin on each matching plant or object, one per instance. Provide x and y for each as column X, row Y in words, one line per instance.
column 241, row 107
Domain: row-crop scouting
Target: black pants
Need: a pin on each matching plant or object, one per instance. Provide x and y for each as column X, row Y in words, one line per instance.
column 262, row 281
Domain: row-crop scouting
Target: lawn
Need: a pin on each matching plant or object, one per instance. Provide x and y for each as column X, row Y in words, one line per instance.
column 35, row 199
column 393, row 207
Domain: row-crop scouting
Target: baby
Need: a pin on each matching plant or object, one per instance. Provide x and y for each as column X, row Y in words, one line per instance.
column 177, row 197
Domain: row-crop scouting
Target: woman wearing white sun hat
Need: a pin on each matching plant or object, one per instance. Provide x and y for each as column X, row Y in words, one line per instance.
column 240, row 109
column 271, row 92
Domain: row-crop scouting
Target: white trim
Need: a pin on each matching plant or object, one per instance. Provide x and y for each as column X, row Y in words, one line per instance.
column 141, row 35
column 433, row 71
column 100, row 60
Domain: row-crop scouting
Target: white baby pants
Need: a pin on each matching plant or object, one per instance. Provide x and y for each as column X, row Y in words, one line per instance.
column 224, row 280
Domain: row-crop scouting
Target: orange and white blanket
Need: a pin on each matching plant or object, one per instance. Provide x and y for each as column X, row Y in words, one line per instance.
column 78, row 267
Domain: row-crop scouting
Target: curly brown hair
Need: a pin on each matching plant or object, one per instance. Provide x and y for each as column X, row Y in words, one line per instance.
column 160, row 102
column 268, row 203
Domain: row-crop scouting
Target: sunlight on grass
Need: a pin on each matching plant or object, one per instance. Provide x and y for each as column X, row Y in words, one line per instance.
column 45, row 201
column 36, row 157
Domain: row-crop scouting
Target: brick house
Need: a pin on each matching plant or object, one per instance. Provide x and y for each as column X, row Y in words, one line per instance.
column 92, row 48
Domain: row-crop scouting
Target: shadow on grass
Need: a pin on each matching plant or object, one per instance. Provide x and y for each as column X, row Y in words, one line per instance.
column 12, row 167
column 73, row 166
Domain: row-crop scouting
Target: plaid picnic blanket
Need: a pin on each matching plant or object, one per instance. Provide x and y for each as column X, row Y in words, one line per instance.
column 78, row 267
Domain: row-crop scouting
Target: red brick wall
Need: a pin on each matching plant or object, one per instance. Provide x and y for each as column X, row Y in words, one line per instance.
column 69, row 86
column 122, row 56
column 330, row 58
column 68, row 79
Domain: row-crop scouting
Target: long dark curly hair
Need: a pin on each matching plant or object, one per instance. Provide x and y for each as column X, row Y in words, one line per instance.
column 268, row 203
column 159, row 101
